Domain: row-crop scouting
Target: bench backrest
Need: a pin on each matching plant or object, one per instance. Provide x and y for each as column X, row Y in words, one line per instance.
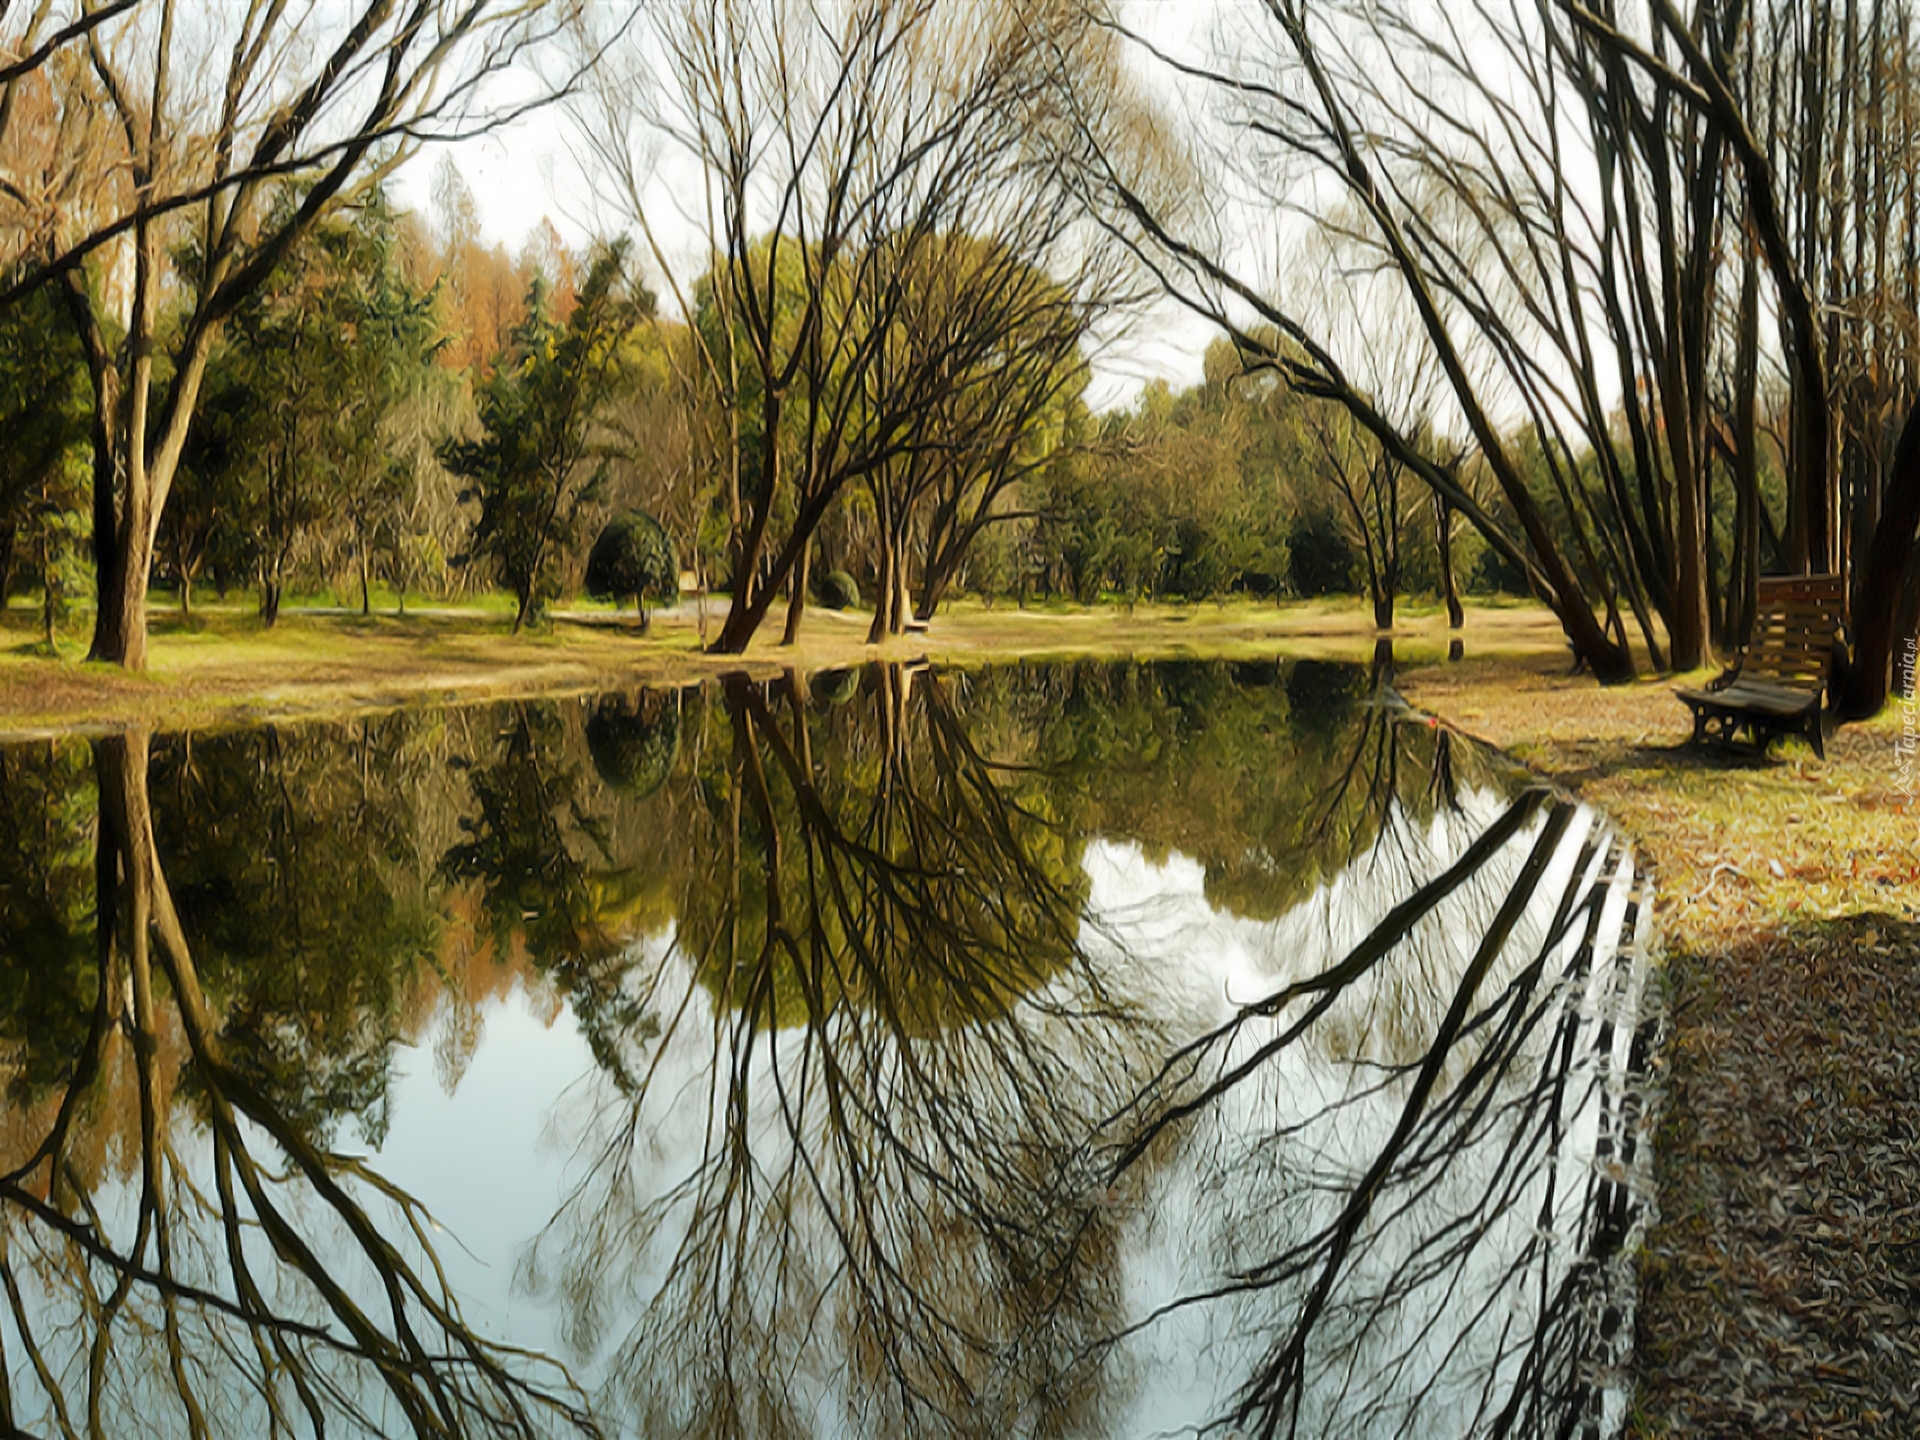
column 1793, row 628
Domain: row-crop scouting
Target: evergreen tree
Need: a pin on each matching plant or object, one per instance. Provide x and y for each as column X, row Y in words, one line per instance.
column 529, row 467
column 293, row 449
column 43, row 480
column 633, row 559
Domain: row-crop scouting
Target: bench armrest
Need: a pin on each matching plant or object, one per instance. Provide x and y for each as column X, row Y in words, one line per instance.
column 1726, row 677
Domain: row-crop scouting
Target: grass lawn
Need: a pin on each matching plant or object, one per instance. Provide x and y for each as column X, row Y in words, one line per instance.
column 223, row 666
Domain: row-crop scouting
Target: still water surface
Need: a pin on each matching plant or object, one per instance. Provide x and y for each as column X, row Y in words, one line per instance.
column 1068, row 1050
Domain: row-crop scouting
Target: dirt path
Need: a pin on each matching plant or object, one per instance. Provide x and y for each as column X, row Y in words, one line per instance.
column 1781, row 1284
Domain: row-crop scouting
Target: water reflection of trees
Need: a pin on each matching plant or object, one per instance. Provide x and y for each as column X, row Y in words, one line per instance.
column 1274, row 775
column 292, row 860
column 848, row 1169
column 1436, row 1239
column 876, row 1005
column 205, row 1265
column 866, row 1061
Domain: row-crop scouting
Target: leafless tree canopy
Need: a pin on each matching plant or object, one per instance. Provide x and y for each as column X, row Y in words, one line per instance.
column 900, row 277
column 1577, row 214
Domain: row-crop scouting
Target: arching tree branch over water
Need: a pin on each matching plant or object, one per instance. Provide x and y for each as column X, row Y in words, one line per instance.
column 1558, row 202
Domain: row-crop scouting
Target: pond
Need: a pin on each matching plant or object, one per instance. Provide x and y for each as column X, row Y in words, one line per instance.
column 1116, row 1049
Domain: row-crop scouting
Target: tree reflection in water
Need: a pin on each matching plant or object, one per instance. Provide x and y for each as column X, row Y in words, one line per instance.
column 879, row 1048
column 1425, row 1233
column 892, row 1154
column 918, row 1104
column 226, row 1274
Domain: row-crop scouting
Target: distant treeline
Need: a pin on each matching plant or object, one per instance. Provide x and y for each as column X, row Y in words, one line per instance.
column 341, row 446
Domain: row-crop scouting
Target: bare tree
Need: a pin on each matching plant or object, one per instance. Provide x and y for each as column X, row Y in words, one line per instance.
column 1475, row 221
column 1833, row 98
column 860, row 161
column 1002, row 415
column 1558, row 193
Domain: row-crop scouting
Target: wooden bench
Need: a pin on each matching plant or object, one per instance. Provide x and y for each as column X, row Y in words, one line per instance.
column 1779, row 683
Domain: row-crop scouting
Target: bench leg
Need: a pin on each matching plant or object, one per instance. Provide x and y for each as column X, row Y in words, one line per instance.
column 1814, row 727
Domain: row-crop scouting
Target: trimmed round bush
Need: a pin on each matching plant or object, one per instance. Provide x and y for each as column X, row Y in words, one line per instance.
column 633, row 560
column 633, row 742
column 836, row 687
column 839, row 591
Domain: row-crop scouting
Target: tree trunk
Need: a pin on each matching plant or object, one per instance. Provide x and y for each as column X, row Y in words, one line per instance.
column 797, row 581
column 883, row 592
column 933, row 589
column 1688, row 623
column 1443, row 540
column 125, row 567
column 1743, row 576
column 751, row 597
column 6, row 563
column 270, row 601
column 49, row 596
column 1555, row 584
column 366, row 581
column 1389, row 518
column 1883, row 581
column 743, row 618
column 897, row 609
column 1906, row 622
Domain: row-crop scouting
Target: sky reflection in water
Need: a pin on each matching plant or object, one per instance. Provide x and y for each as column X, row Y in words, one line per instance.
column 1053, row 1050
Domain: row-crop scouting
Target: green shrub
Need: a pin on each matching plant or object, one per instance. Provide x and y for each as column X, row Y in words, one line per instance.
column 839, row 591
column 1322, row 560
column 633, row 559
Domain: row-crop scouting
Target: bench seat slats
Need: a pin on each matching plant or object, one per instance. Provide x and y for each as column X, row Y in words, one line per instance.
column 1806, row 670
column 1778, row 700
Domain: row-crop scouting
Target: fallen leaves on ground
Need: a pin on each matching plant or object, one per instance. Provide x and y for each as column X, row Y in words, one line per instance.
column 1781, row 1283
